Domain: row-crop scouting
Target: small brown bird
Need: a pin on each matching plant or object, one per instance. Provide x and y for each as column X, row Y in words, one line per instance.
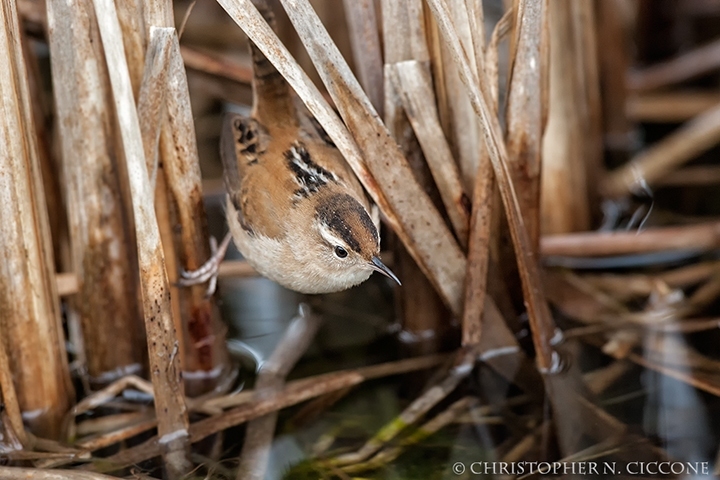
column 295, row 209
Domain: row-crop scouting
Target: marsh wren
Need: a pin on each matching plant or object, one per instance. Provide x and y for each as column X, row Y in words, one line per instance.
column 295, row 209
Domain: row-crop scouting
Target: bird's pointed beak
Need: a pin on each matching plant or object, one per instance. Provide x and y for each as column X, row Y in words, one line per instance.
column 377, row 265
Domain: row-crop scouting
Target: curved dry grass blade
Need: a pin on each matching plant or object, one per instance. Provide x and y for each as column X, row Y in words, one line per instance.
column 384, row 172
column 162, row 342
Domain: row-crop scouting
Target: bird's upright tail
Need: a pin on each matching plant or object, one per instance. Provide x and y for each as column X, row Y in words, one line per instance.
column 271, row 93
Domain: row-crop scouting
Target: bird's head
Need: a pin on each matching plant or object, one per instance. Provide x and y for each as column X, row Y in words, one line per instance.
column 349, row 244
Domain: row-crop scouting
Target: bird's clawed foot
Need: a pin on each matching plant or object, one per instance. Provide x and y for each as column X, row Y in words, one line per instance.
column 209, row 270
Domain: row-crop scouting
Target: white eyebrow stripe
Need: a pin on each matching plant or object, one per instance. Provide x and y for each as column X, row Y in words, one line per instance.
column 329, row 237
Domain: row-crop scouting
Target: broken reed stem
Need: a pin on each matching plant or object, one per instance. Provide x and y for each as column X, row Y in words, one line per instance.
column 432, row 246
column 29, row 309
column 204, row 347
column 663, row 157
column 254, row 404
column 271, row 378
column 365, row 43
column 478, row 254
column 700, row 237
column 151, row 99
column 161, row 336
column 541, row 321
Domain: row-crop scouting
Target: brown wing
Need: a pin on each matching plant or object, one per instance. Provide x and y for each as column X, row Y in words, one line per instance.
column 243, row 146
column 326, row 154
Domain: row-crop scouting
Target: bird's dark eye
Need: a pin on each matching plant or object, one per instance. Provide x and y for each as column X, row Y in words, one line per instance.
column 340, row 252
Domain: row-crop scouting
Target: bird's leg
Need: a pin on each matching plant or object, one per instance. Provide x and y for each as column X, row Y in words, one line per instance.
column 208, row 270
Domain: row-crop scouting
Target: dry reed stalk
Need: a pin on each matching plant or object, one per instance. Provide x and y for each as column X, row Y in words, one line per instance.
column 459, row 121
column 48, row 157
column 588, row 71
column 180, row 208
column 527, row 108
column 564, row 199
column 492, row 55
column 614, row 57
column 103, row 252
column 422, row 310
column 116, row 436
column 417, row 222
column 134, row 40
column 216, row 65
column 254, row 404
column 17, row 473
column 151, row 97
column 625, row 287
column 271, row 378
column 413, row 83
column 482, row 226
column 365, row 41
column 481, row 220
column 665, row 156
column 541, row 322
column 688, row 65
column 669, row 107
column 162, row 342
column 205, row 342
column 699, row 237
column 113, row 422
column 11, row 414
column 691, row 176
column 29, row 308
